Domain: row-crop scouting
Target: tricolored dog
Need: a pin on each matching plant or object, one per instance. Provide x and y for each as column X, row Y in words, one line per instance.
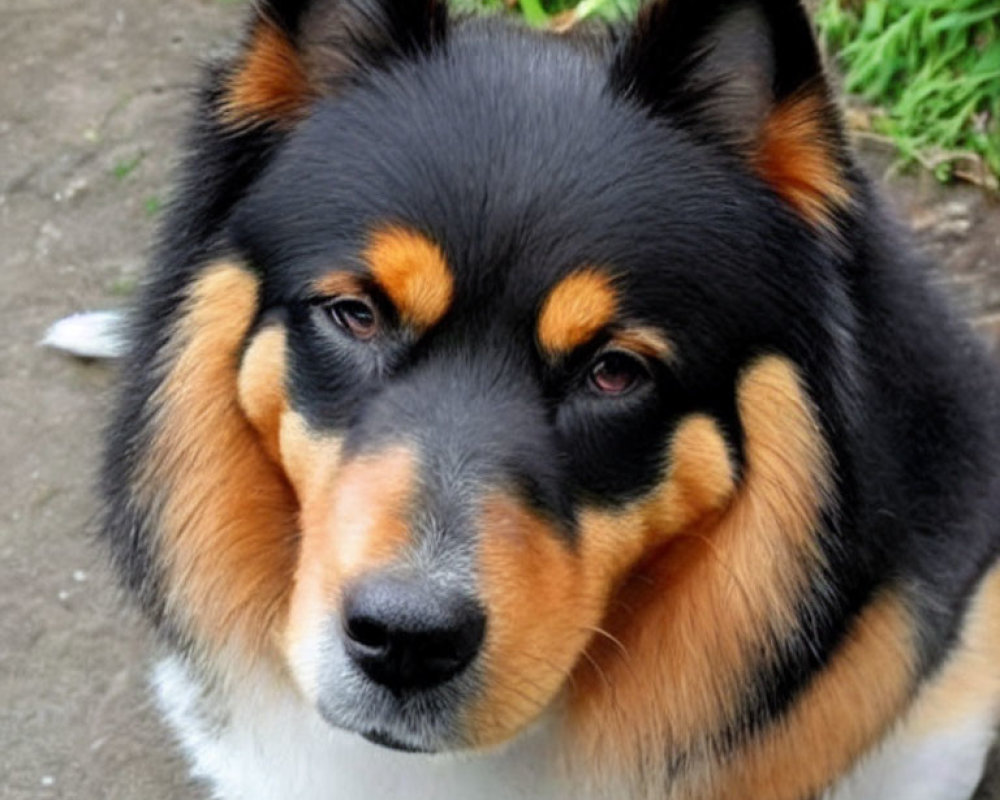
column 511, row 415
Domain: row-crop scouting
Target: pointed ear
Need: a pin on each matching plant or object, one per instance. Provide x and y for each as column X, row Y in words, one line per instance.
column 298, row 50
column 746, row 74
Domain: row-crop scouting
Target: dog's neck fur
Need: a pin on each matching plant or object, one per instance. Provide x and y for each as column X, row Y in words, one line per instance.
column 267, row 743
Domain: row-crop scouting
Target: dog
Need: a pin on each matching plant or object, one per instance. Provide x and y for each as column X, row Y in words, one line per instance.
column 519, row 415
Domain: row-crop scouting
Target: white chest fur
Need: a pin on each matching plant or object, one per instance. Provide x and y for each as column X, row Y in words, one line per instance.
column 270, row 746
column 944, row 765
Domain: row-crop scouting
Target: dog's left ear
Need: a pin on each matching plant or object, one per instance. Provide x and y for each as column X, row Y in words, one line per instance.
column 746, row 74
column 299, row 50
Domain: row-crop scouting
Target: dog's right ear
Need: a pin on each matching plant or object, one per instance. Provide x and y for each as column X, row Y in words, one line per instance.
column 296, row 51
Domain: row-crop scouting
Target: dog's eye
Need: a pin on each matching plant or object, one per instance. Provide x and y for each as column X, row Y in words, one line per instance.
column 616, row 373
column 355, row 315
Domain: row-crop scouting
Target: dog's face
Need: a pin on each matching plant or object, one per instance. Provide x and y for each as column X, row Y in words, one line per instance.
column 482, row 390
column 502, row 355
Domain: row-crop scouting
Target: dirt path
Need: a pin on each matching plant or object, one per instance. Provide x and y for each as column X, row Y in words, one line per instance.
column 92, row 95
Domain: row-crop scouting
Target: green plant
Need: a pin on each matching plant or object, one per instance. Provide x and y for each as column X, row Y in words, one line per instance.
column 125, row 167
column 933, row 69
column 153, row 205
column 556, row 13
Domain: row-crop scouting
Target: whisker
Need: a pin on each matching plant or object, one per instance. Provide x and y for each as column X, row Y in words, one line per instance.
column 610, row 637
column 598, row 668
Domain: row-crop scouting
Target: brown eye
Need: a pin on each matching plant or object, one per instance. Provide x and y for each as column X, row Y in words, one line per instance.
column 355, row 315
column 616, row 373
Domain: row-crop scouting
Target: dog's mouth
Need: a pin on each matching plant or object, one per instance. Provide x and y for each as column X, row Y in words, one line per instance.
column 422, row 723
column 385, row 739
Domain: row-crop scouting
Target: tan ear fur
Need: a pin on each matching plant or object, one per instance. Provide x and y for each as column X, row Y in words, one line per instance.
column 796, row 157
column 269, row 84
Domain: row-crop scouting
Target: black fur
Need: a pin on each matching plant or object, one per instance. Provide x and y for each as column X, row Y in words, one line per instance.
column 524, row 156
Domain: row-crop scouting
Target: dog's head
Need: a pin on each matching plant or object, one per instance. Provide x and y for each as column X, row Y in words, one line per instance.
column 486, row 383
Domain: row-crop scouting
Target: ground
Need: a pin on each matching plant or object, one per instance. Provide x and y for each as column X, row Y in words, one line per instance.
column 92, row 97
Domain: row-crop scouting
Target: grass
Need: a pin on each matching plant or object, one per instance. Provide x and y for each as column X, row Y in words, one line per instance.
column 556, row 13
column 930, row 69
column 123, row 286
column 125, row 167
column 152, row 205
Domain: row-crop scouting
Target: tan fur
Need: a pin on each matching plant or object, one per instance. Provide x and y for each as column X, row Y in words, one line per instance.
column 228, row 534
column 576, row 309
column 700, row 481
column 270, row 85
column 261, row 387
column 304, row 455
column 546, row 598
column 413, row 272
column 687, row 627
column 796, row 157
column 340, row 283
column 647, row 342
column 354, row 520
column 307, row 457
column 538, row 605
column 842, row 713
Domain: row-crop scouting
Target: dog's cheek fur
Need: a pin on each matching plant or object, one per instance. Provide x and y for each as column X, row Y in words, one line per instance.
column 717, row 602
column 261, row 386
column 547, row 598
column 539, row 606
column 227, row 538
column 304, row 456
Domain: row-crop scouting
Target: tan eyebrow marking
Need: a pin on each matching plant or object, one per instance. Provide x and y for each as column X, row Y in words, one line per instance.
column 413, row 272
column 339, row 282
column 579, row 306
column 645, row 341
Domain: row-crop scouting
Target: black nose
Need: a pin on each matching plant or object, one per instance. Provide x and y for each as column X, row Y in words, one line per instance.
column 407, row 634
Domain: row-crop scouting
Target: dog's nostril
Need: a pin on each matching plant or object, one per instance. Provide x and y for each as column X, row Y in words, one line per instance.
column 406, row 634
column 367, row 632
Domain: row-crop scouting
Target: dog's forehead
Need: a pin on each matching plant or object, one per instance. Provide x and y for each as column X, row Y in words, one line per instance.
column 455, row 147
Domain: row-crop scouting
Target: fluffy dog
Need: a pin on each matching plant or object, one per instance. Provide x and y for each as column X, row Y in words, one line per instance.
column 512, row 415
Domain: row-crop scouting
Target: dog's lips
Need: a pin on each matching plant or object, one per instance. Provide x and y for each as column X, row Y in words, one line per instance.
column 386, row 728
column 386, row 739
